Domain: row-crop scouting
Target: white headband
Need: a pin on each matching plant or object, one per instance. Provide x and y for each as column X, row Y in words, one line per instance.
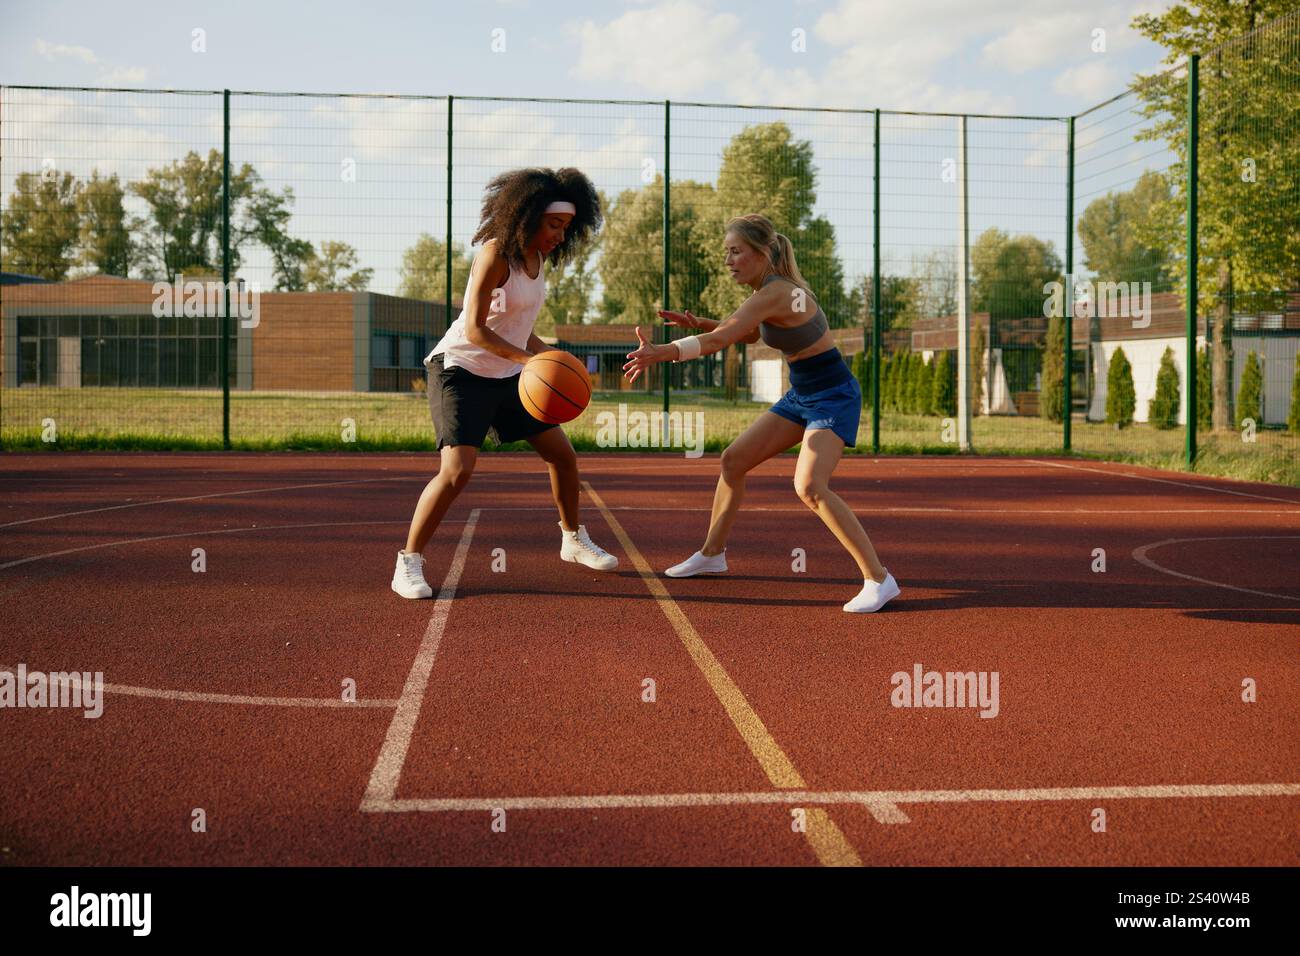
column 561, row 206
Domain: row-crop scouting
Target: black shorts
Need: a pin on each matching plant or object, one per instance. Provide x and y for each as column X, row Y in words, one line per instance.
column 465, row 407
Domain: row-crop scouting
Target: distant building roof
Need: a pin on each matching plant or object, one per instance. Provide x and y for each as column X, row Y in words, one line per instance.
column 18, row 278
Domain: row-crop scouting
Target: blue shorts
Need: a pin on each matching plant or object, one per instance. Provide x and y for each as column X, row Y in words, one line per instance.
column 838, row 408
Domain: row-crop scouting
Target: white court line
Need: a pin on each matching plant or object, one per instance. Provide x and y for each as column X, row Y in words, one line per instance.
column 382, row 786
column 1140, row 555
column 1168, row 481
column 199, row 534
column 189, row 695
column 867, row 798
column 218, row 494
column 959, row 511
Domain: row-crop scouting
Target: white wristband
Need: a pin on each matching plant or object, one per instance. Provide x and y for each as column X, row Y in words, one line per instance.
column 687, row 348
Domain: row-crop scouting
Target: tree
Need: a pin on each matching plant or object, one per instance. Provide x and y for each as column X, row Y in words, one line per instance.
column 766, row 170
column 103, row 240
column 1249, row 225
column 327, row 271
column 1114, row 231
column 860, row 365
column 267, row 219
column 632, row 253
column 1008, row 274
column 943, row 394
column 1248, row 392
column 922, row 385
column 1163, row 410
column 40, row 228
column 1293, row 417
column 899, row 298
column 935, row 275
column 423, row 273
column 1204, row 400
column 1121, row 399
column 568, row 293
column 979, row 366
column 1051, row 396
column 182, row 233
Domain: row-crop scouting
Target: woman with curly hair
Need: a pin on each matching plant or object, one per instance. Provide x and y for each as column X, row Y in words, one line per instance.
column 529, row 216
column 821, row 409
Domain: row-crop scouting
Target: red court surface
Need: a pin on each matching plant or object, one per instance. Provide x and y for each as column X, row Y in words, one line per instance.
column 516, row 697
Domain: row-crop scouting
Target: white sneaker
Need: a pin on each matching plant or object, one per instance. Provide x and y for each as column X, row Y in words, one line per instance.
column 578, row 547
column 699, row 563
column 408, row 578
column 874, row 595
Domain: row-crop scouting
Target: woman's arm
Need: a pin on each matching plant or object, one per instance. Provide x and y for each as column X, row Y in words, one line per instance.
column 740, row 326
column 686, row 320
column 489, row 271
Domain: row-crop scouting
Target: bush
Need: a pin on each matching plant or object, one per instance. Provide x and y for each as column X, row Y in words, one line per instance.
column 1293, row 419
column 922, row 383
column 943, row 392
column 861, row 368
column 1163, row 410
column 1248, row 393
column 1051, row 395
column 977, row 369
column 1121, row 399
column 1204, row 393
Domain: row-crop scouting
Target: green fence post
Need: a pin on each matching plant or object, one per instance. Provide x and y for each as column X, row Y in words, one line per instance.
column 223, row 363
column 1193, row 185
column 1069, row 284
column 447, row 308
column 667, row 368
column 875, row 289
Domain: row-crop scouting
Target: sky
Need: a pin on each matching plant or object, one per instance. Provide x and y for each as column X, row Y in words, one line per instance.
column 372, row 171
column 1000, row 56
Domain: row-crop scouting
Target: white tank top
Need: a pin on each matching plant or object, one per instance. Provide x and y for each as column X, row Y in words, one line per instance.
column 511, row 315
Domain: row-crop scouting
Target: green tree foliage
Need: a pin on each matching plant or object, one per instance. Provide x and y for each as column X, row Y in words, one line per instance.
column 979, row 366
column 328, row 270
column 922, row 385
column 1249, row 391
column 943, row 394
column 860, row 365
column 39, row 230
column 899, row 301
column 423, row 273
column 1008, row 274
column 268, row 217
column 632, row 253
column 1163, row 410
column 1116, row 232
column 766, row 170
column 1204, row 399
column 182, row 233
column 1121, row 398
column 1249, row 158
column 568, row 293
column 104, row 242
column 1293, row 417
column 1051, row 396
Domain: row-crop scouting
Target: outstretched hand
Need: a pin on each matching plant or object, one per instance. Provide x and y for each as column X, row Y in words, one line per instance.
column 647, row 354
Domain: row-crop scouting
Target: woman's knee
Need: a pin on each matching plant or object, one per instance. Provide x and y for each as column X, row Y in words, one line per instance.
column 734, row 464
column 810, row 491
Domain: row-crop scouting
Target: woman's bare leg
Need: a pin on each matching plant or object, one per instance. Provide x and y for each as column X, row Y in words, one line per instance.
column 452, row 477
column 821, row 452
column 554, row 447
column 769, row 435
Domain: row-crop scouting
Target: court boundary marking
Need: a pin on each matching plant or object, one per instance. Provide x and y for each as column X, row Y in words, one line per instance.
column 1140, row 555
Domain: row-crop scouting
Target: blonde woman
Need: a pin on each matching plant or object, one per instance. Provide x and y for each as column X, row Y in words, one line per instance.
column 821, row 410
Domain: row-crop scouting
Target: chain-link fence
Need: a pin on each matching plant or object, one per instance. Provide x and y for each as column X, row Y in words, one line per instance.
column 1014, row 284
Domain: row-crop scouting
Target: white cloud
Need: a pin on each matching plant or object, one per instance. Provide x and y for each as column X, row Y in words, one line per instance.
column 1093, row 80
column 675, row 48
column 124, row 76
column 52, row 50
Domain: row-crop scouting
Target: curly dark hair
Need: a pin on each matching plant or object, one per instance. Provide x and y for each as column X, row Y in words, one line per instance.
column 515, row 202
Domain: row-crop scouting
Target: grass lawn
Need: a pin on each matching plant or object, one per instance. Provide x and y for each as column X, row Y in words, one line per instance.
column 161, row 419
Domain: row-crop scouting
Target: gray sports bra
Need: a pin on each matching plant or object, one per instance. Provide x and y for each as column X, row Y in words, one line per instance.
column 797, row 338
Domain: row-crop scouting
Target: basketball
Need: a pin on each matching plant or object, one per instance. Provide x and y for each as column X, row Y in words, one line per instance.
column 554, row 387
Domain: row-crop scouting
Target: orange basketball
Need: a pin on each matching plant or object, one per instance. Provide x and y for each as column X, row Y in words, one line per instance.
column 554, row 387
